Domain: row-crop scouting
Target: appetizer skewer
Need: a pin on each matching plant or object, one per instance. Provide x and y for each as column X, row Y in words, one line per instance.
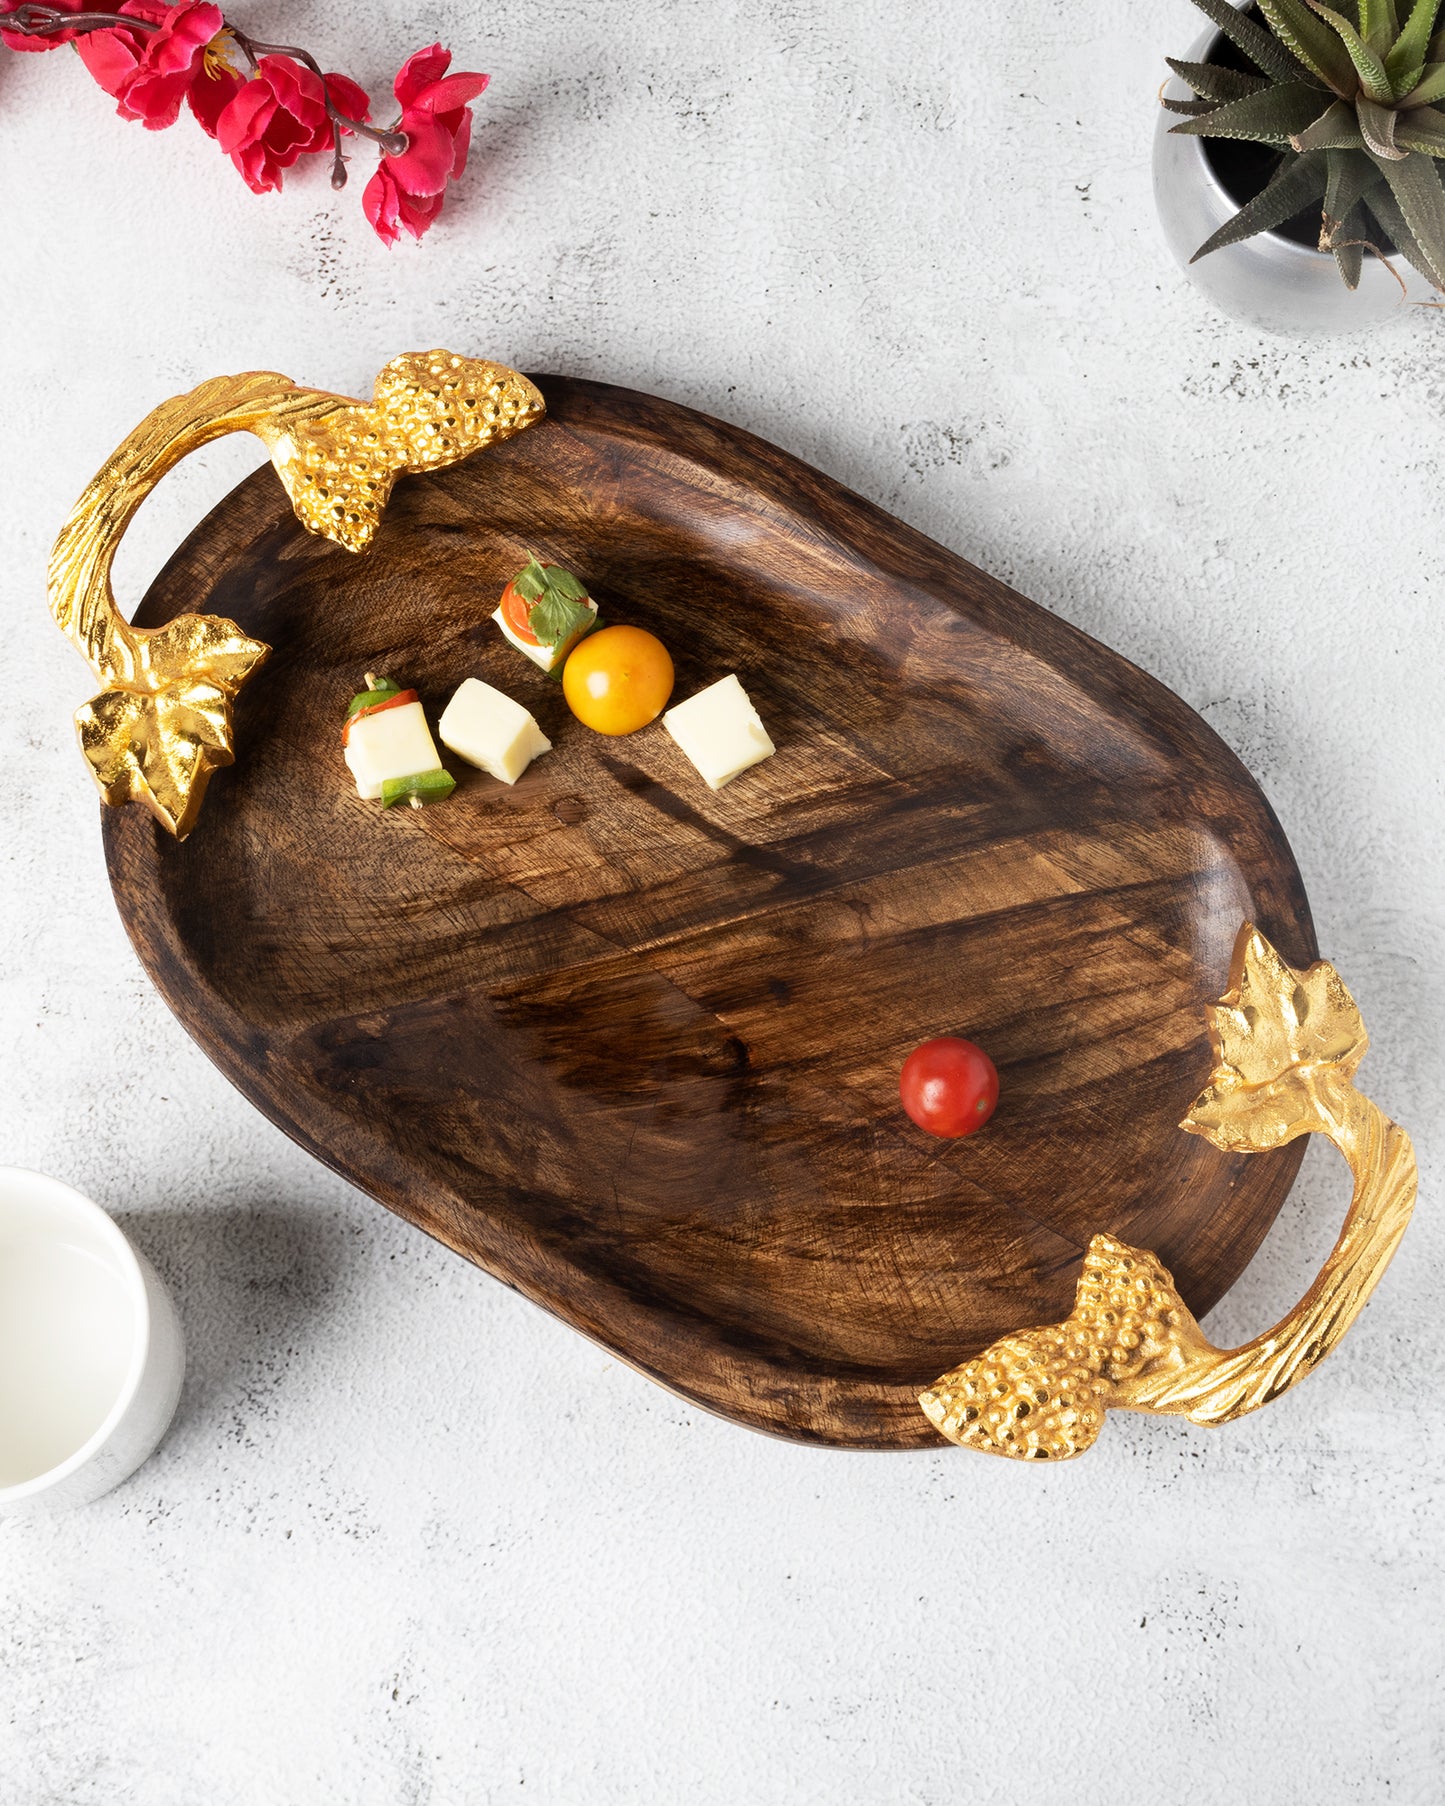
column 544, row 611
column 389, row 749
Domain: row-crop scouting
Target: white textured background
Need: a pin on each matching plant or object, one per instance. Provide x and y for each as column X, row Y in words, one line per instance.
column 413, row 1543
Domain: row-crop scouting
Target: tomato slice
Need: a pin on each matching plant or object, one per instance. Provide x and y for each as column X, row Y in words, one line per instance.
column 516, row 612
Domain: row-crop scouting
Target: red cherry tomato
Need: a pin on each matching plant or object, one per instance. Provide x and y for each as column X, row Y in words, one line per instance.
column 949, row 1087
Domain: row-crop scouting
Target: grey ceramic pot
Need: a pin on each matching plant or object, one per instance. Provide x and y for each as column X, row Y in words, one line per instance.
column 1267, row 280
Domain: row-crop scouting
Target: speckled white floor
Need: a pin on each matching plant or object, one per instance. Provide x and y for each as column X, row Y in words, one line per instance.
column 414, row 1544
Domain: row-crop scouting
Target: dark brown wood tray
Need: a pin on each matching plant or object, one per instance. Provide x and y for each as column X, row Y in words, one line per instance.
column 633, row 1047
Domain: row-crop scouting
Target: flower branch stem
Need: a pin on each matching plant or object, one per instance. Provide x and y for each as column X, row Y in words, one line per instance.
column 40, row 21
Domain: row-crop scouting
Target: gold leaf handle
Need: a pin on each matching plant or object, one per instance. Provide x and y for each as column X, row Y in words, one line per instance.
column 163, row 724
column 1286, row 1047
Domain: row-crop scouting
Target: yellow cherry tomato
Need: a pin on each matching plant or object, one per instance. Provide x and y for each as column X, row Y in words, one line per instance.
column 618, row 679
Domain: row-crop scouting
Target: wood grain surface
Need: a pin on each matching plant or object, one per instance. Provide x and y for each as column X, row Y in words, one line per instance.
column 633, row 1047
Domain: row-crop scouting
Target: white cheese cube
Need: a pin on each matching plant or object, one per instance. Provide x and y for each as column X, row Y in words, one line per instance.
column 720, row 731
column 489, row 730
column 548, row 657
column 395, row 743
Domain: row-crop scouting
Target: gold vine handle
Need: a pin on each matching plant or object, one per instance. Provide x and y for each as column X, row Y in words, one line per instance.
column 163, row 724
column 1286, row 1047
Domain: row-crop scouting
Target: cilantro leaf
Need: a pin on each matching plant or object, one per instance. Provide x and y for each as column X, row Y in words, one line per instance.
column 556, row 618
column 564, row 584
column 560, row 607
column 531, row 581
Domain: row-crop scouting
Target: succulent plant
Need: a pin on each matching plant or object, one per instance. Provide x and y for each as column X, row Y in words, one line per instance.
column 1345, row 96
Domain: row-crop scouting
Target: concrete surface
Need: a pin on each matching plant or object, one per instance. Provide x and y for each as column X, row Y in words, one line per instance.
column 412, row 1543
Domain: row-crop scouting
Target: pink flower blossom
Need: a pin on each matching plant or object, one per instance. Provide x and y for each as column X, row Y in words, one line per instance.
column 390, row 208
column 174, row 58
column 211, row 93
column 152, row 56
column 280, row 115
column 150, row 73
column 113, row 57
column 406, row 191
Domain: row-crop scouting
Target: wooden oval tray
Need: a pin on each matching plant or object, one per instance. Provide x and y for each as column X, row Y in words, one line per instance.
column 633, row 1047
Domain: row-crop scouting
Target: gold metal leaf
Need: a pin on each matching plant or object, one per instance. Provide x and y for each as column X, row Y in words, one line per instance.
column 1272, row 1032
column 196, row 647
column 158, row 747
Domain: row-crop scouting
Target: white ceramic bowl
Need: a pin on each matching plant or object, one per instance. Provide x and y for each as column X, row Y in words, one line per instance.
column 91, row 1353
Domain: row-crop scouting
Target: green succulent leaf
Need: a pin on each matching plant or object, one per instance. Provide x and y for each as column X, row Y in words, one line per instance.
column 1407, row 56
column 1350, row 251
column 1436, row 51
column 1415, row 188
column 1262, row 48
column 1378, row 23
column 1381, row 205
column 1431, row 86
column 1297, row 182
column 1350, row 260
column 1422, row 129
column 1337, row 128
column 1211, row 82
column 1368, row 66
column 1377, row 128
column 1312, row 42
column 1350, row 175
column 1192, row 109
column 1273, row 116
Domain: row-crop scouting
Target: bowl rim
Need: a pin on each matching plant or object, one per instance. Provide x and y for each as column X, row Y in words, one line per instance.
column 46, row 1189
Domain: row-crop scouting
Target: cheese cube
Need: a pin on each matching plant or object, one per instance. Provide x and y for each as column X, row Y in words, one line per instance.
column 548, row 657
column 394, row 743
column 489, row 730
column 720, row 731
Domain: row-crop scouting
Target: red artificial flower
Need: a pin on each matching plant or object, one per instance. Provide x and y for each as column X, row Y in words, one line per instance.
column 14, row 40
column 390, row 208
column 406, row 190
column 174, row 59
column 436, row 119
column 212, row 92
column 150, row 73
column 280, row 115
column 113, row 57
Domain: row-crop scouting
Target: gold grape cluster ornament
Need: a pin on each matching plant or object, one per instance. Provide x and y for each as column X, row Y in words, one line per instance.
column 163, row 723
column 1286, row 1047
